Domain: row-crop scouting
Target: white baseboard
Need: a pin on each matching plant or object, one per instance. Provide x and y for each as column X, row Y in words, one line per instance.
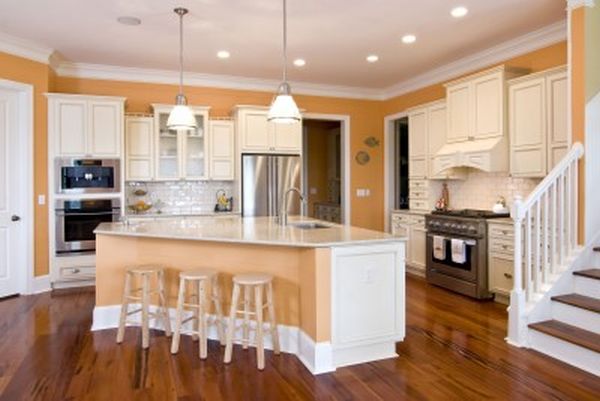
column 317, row 357
column 353, row 355
column 39, row 284
column 59, row 285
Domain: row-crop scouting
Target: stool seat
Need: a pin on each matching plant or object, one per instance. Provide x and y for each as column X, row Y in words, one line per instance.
column 145, row 269
column 199, row 274
column 252, row 279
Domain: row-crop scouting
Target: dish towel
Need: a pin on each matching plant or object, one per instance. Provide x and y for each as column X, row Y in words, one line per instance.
column 439, row 247
column 459, row 251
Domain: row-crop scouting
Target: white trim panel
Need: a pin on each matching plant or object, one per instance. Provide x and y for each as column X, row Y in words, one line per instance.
column 24, row 48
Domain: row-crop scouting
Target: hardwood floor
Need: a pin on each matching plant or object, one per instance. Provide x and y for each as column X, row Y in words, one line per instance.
column 454, row 350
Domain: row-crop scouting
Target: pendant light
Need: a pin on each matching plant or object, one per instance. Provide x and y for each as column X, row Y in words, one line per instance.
column 283, row 109
column 181, row 118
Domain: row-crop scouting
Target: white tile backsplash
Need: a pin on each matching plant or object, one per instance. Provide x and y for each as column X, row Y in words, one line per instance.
column 481, row 190
column 180, row 197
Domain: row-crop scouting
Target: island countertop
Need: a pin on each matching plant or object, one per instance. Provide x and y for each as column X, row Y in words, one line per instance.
column 248, row 230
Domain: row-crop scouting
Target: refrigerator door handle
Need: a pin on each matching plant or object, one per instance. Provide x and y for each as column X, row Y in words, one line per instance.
column 276, row 178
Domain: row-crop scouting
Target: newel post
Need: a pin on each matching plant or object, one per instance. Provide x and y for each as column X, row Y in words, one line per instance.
column 517, row 324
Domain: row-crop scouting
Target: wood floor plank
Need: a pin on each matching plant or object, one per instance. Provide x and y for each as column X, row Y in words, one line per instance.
column 454, row 350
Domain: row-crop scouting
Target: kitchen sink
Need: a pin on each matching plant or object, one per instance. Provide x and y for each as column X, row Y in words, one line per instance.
column 309, row 225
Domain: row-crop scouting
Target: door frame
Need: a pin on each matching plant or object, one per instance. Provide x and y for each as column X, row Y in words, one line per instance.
column 25, row 171
column 388, row 162
column 344, row 121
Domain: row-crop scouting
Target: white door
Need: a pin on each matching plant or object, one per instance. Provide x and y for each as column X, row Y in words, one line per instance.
column 10, row 225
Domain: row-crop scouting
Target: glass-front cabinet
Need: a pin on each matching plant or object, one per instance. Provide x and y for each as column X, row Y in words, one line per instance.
column 181, row 154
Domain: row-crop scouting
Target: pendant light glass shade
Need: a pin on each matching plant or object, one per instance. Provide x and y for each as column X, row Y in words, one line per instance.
column 181, row 117
column 283, row 109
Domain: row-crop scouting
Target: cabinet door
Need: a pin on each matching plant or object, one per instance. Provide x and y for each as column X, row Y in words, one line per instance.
column 557, row 111
column 488, row 106
column 105, row 128
column 417, row 133
column 139, row 148
column 459, row 110
column 70, row 123
column 527, row 126
column 417, row 244
column 167, row 149
column 287, row 137
column 255, row 134
column 500, row 274
column 194, row 151
column 221, row 150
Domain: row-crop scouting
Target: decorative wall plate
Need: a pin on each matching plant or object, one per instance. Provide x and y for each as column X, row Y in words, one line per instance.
column 362, row 157
column 371, row 142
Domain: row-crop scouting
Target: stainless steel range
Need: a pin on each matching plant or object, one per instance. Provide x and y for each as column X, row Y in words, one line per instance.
column 457, row 248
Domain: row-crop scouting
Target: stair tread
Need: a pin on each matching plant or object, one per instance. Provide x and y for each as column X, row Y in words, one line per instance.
column 580, row 301
column 597, row 249
column 589, row 273
column 566, row 332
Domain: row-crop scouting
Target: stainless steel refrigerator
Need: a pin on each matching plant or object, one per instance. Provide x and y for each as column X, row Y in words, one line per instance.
column 265, row 178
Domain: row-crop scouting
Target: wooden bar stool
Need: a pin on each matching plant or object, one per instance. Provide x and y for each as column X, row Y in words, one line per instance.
column 143, row 294
column 259, row 283
column 198, row 303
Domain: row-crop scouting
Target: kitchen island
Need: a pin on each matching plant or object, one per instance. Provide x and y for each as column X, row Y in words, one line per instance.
column 339, row 290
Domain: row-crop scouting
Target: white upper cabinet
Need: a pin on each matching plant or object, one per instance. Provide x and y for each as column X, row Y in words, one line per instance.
column 476, row 105
column 86, row 126
column 257, row 135
column 538, row 122
column 139, row 148
column 417, row 143
column 221, row 149
column 180, row 154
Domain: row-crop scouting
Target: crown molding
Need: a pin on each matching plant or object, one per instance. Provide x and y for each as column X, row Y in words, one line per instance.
column 535, row 40
column 572, row 4
column 24, row 48
column 146, row 75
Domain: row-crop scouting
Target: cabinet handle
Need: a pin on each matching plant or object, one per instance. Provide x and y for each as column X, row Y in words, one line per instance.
column 508, row 275
column 75, row 271
column 504, row 246
column 504, row 232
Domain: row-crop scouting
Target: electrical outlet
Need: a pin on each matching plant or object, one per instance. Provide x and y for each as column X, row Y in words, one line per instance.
column 313, row 190
column 41, row 200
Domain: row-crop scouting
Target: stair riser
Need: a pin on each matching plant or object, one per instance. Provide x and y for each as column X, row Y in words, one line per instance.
column 587, row 286
column 578, row 317
column 569, row 353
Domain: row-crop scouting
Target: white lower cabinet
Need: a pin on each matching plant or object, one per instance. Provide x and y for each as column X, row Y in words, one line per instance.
column 412, row 226
column 500, row 259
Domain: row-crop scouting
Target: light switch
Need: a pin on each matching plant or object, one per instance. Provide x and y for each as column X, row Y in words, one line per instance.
column 41, row 200
column 313, row 191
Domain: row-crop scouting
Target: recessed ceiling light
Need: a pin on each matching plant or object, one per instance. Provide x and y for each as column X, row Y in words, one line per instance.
column 299, row 62
column 459, row 12
column 372, row 58
column 223, row 54
column 409, row 39
column 128, row 20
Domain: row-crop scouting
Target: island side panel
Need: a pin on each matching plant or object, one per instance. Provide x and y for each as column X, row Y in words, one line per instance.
column 287, row 264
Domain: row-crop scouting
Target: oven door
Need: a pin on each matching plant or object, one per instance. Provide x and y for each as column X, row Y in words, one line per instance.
column 465, row 271
column 75, row 228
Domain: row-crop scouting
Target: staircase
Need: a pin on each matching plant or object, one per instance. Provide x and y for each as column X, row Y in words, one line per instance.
column 555, row 303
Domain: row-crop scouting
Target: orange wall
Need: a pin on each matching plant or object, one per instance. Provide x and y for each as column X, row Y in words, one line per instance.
column 318, row 133
column 578, row 100
column 366, row 119
column 39, row 75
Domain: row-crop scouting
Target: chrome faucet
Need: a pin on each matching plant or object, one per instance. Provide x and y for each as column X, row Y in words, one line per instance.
column 283, row 216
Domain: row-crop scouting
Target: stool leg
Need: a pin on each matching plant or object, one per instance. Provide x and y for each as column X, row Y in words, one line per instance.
column 195, row 297
column 246, row 327
column 231, row 324
column 272, row 321
column 201, row 319
column 145, row 306
column 216, row 290
column 179, row 317
column 260, row 349
column 124, row 308
column 163, row 303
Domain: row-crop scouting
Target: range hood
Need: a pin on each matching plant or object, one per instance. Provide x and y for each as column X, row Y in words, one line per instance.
column 487, row 154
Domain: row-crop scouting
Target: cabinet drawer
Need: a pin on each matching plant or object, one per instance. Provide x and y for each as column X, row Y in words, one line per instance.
column 418, row 184
column 501, row 232
column 502, row 246
column 418, row 221
column 78, row 273
column 416, row 193
column 415, row 204
column 501, row 274
column 400, row 230
column 400, row 218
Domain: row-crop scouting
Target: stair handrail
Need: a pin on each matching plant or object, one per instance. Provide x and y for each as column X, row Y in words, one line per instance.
column 554, row 202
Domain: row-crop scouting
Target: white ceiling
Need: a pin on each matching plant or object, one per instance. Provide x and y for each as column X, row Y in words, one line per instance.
column 334, row 36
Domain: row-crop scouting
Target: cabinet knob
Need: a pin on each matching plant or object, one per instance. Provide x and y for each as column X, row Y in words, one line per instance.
column 508, row 276
column 14, row 217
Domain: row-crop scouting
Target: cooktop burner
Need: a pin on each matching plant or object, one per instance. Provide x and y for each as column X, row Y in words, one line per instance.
column 471, row 213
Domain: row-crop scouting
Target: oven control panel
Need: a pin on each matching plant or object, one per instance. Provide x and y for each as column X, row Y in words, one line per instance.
column 452, row 225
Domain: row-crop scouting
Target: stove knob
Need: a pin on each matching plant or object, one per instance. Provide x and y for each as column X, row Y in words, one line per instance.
column 454, row 226
column 463, row 227
column 473, row 229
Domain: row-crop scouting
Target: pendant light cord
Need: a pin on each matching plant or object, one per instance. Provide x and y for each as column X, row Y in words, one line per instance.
column 181, row 52
column 285, row 41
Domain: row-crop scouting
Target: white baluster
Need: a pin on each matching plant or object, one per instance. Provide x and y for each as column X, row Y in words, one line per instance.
column 546, row 262
column 569, row 210
column 537, row 261
column 528, row 276
column 575, row 209
column 561, row 220
column 553, row 249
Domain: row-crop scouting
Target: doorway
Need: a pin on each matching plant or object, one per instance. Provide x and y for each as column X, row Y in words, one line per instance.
column 16, row 181
column 323, row 166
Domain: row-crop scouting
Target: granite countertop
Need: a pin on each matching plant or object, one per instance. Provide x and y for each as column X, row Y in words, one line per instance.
column 409, row 211
column 183, row 215
column 248, row 230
